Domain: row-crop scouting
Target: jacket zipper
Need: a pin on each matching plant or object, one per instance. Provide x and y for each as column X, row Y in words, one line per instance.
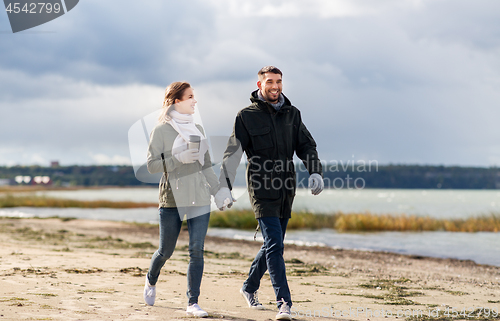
column 273, row 118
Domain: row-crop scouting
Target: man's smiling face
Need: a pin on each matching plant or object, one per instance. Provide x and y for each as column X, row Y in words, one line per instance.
column 270, row 86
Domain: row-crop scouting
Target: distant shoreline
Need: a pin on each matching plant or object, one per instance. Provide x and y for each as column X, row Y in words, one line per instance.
column 336, row 174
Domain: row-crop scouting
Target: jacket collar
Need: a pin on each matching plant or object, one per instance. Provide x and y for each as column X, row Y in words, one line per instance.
column 265, row 106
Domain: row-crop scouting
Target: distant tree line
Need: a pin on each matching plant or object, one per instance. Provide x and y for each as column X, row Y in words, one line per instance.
column 379, row 176
column 76, row 175
column 408, row 176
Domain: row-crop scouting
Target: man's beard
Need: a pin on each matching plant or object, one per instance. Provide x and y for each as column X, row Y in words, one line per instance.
column 273, row 101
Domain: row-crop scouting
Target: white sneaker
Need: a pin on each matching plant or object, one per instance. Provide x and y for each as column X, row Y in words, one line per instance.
column 284, row 313
column 149, row 293
column 196, row 311
column 252, row 300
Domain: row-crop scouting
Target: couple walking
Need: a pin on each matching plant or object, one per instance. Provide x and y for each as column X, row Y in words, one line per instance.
column 269, row 131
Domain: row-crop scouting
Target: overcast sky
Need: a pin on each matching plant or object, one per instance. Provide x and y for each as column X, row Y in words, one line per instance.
column 397, row 81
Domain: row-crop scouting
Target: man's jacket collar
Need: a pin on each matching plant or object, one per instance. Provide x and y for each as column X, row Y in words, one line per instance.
column 264, row 106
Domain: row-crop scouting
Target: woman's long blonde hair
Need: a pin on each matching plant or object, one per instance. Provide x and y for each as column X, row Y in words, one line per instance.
column 174, row 91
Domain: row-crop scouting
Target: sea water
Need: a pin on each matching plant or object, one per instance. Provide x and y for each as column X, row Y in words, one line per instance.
column 433, row 203
column 483, row 248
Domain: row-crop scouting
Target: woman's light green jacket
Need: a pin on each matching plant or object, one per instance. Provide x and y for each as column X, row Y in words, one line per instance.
column 187, row 184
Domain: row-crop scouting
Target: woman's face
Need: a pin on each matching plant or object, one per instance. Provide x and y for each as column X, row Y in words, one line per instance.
column 187, row 103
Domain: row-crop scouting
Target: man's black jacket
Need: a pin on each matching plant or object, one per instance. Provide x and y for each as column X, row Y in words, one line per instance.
column 269, row 138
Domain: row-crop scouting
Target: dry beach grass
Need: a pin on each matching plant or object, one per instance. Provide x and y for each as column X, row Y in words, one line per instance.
column 244, row 219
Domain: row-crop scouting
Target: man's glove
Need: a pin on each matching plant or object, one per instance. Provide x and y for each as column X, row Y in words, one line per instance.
column 316, row 183
column 224, row 198
column 188, row 156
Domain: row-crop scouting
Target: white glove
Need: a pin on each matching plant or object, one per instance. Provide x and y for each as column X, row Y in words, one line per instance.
column 224, row 198
column 316, row 183
column 188, row 156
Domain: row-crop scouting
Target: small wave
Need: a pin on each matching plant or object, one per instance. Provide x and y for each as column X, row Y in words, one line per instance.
column 304, row 243
column 15, row 213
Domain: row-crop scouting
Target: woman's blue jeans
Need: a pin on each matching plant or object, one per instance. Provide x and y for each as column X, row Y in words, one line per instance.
column 170, row 227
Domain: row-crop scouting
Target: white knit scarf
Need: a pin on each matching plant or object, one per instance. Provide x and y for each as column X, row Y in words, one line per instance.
column 185, row 126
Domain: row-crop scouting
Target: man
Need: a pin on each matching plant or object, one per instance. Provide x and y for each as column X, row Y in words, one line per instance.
column 269, row 131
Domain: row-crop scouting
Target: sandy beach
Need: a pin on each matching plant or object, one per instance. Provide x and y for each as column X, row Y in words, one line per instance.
column 51, row 269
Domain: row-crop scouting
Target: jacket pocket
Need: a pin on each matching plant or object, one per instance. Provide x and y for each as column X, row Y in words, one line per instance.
column 261, row 138
column 262, row 187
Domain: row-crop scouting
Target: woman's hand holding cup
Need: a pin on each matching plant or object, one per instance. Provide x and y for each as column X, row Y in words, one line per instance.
column 188, row 156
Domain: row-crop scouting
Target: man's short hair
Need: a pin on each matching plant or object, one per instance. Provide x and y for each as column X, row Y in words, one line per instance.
column 270, row 69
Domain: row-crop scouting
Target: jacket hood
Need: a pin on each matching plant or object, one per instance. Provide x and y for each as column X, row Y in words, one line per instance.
column 254, row 98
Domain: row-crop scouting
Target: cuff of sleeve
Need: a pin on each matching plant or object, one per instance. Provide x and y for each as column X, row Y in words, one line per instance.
column 214, row 189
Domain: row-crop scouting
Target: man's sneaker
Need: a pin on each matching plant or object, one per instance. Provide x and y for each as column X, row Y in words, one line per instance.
column 196, row 311
column 252, row 300
column 149, row 293
column 284, row 313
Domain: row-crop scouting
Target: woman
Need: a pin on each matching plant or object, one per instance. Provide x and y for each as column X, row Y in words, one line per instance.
column 185, row 189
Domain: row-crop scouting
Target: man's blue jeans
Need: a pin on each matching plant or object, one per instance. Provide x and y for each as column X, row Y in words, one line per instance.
column 270, row 257
column 170, row 227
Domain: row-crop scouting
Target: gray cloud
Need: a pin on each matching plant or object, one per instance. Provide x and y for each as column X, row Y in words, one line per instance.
column 106, row 42
column 398, row 81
